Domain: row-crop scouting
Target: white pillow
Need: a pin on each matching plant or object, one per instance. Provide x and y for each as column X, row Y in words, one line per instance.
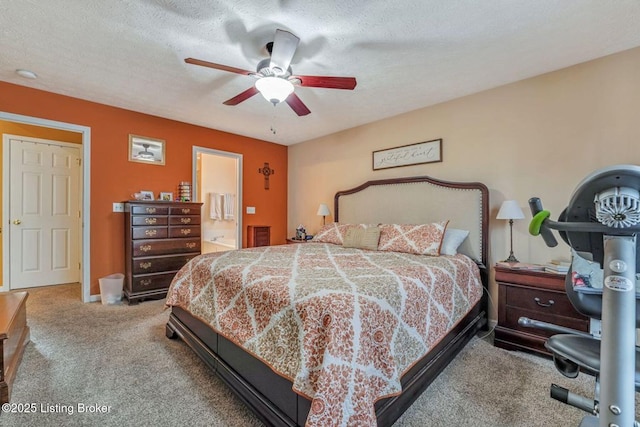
column 453, row 238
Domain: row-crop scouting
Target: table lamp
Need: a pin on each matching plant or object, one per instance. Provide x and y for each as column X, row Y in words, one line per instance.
column 323, row 211
column 510, row 210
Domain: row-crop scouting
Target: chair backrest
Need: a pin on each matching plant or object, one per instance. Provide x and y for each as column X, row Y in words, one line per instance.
column 590, row 305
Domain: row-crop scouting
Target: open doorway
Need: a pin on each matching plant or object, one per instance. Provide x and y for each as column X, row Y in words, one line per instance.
column 217, row 178
column 79, row 136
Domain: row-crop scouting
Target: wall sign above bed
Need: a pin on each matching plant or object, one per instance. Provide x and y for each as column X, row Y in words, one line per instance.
column 406, row 155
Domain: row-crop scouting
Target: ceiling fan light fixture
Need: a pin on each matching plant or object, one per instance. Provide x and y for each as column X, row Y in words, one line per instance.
column 274, row 89
column 146, row 154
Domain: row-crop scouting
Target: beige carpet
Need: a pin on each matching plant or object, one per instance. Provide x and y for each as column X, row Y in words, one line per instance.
column 118, row 358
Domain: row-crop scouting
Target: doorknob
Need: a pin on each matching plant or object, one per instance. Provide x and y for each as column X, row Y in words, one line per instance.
column 17, row 222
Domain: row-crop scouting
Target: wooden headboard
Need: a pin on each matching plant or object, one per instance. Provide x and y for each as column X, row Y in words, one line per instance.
column 421, row 200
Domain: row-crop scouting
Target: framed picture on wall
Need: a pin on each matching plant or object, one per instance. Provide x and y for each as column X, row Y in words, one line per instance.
column 167, row 197
column 146, row 150
column 406, row 155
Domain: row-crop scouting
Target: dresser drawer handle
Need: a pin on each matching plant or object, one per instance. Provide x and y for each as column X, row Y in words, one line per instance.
column 191, row 245
column 185, row 220
column 145, row 282
column 145, row 248
column 150, row 220
column 185, row 231
column 151, row 233
column 151, row 210
column 145, row 265
column 541, row 304
column 186, row 210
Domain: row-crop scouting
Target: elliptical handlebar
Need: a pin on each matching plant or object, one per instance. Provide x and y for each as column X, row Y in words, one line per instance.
column 540, row 222
column 541, row 225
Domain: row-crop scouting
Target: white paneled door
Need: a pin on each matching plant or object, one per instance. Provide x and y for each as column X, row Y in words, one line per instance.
column 44, row 208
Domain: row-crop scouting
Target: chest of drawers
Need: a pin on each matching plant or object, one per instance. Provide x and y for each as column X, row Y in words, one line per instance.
column 160, row 237
column 538, row 296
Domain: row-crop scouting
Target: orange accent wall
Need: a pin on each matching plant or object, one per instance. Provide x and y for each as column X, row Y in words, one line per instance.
column 114, row 178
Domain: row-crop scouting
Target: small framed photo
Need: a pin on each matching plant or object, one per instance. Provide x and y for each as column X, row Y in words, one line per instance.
column 166, row 196
column 146, row 195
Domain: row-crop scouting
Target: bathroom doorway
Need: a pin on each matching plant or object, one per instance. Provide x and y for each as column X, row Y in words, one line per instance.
column 217, row 178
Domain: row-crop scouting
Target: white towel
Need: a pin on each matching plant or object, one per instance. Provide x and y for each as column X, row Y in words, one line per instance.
column 229, row 206
column 215, row 208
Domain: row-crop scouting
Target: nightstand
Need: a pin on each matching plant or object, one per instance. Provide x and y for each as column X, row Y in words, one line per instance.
column 539, row 296
column 258, row 235
column 294, row 241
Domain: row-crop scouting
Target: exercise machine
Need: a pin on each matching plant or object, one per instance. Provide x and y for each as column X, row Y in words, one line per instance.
column 600, row 224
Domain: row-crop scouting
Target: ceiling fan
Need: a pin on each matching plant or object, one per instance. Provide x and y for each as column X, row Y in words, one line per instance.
column 275, row 79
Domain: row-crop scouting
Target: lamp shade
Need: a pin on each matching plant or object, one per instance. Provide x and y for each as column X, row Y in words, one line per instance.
column 274, row 89
column 323, row 210
column 510, row 210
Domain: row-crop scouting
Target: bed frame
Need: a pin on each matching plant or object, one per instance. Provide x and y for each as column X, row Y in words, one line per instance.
column 402, row 200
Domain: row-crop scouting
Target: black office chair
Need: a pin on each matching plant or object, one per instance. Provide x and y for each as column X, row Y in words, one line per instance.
column 600, row 222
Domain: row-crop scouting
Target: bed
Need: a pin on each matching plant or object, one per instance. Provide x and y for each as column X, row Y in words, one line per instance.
column 304, row 342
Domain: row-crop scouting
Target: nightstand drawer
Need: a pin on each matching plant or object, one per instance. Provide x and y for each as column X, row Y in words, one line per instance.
column 539, row 300
column 513, row 314
column 539, row 296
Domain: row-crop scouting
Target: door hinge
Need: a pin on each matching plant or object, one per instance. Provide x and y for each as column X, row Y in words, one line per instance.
column 79, row 161
column 79, row 214
column 79, row 266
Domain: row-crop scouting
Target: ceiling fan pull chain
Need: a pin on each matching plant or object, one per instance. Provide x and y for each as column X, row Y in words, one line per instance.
column 273, row 120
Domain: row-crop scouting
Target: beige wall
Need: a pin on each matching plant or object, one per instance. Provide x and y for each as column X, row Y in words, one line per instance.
column 538, row 137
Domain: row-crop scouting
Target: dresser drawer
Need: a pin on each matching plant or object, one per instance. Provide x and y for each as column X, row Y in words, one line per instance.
column 151, row 281
column 165, row 247
column 150, row 210
column 154, row 265
column 184, row 220
column 187, row 231
column 183, row 210
column 149, row 233
column 149, row 220
column 539, row 300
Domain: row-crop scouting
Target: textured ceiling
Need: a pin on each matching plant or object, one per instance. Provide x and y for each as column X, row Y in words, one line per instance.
column 405, row 54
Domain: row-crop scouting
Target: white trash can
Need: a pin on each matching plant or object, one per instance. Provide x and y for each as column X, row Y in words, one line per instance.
column 111, row 288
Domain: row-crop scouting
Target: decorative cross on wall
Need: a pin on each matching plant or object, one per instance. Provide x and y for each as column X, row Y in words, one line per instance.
column 266, row 171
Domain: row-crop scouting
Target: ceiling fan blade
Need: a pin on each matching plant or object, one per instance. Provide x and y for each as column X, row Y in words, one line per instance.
column 217, row 66
column 243, row 96
column 327, row 82
column 284, row 47
column 297, row 105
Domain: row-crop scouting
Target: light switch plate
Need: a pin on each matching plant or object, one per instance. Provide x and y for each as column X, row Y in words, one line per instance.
column 251, row 209
column 118, row 207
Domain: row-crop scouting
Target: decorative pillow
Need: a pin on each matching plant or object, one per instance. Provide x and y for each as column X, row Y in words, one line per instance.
column 452, row 240
column 334, row 232
column 422, row 239
column 362, row 238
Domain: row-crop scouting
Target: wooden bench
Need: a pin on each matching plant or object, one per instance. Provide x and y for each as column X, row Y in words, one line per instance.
column 14, row 336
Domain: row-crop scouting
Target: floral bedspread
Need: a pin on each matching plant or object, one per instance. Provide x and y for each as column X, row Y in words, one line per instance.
column 342, row 324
